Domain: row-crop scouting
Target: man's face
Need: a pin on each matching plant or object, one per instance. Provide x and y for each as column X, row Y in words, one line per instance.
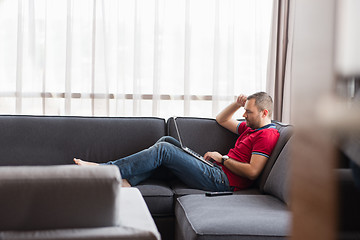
column 252, row 115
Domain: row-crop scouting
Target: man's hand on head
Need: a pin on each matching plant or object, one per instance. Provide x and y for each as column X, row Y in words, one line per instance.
column 213, row 155
column 225, row 117
column 241, row 99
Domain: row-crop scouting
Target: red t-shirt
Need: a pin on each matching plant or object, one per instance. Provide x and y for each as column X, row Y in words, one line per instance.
column 259, row 141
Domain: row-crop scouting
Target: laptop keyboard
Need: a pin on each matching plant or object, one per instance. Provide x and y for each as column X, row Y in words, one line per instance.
column 195, row 153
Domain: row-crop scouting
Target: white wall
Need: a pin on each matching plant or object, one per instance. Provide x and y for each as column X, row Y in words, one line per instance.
column 313, row 52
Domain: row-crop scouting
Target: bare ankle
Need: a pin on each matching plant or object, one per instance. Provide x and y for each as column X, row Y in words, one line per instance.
column 125, row 183
column 84, row 163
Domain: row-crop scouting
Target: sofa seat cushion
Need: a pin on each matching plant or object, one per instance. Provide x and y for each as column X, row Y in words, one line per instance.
column 231, row 217
column 158, row 196
column 180, row 189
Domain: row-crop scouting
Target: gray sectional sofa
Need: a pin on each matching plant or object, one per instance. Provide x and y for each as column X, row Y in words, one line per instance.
column 179, row 211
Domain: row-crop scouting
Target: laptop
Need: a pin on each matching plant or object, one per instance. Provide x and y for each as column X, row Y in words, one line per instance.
column 189, row 151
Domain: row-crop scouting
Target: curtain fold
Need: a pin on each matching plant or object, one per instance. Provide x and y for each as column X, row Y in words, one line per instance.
column 93, row 55
column 187, row 56
column 131, row 57
column 68, row 60
column 157, row 59
column 19, row 58
column 287, row 114
column 278, row 79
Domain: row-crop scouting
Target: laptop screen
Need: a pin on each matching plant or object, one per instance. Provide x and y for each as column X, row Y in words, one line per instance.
column 177, row 131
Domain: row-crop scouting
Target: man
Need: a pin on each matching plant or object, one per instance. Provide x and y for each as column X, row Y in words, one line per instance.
column 234, row 171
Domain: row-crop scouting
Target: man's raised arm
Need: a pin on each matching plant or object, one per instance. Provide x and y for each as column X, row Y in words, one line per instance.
column 224, row 118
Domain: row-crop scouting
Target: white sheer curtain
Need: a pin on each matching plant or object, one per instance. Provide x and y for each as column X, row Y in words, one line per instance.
column 131, row 57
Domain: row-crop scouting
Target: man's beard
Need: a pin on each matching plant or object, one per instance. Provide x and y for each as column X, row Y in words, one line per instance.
column 251, row 125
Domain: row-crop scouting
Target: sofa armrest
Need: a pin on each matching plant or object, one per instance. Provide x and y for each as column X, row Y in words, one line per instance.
column 59, row 197
column 136, row 220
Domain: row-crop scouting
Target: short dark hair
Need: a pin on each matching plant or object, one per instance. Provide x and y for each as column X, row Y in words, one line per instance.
column 262, row 101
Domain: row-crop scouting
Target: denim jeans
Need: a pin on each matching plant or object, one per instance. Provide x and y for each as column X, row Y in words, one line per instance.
column 167, row 152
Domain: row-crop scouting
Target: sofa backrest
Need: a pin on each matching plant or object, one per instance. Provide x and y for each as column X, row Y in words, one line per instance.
column 49, row 140
column 202, row 134
column 285, row 132
column 59, row 197
column 277, row 182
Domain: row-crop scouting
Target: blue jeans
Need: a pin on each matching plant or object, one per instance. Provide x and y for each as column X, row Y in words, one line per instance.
column 167, row 152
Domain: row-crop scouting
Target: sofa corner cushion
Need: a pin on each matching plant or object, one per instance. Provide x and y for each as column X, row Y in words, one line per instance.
column 285, row 132
column 277, row 183
column 240, row 216
column 58, row 197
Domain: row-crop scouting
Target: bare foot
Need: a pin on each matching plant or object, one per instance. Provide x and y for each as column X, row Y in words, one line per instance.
column 125, row 183
column 84, row 163
column 80, row 162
